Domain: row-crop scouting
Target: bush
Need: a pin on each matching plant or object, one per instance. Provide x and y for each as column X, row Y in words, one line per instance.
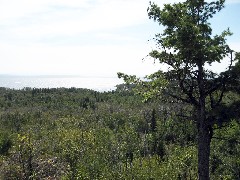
column 5, row 143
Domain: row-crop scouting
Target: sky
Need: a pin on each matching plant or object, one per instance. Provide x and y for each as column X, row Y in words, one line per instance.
column 88, row 37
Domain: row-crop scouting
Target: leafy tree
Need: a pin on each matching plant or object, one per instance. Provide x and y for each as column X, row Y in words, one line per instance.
column 186, row 46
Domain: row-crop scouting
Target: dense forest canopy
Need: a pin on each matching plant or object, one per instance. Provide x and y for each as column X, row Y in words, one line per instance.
column 83, row 134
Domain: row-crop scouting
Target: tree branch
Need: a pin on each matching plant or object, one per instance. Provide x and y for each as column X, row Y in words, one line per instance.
column 189, row 92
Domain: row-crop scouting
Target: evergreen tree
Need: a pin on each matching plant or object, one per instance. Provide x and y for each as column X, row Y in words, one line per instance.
column 186, row 46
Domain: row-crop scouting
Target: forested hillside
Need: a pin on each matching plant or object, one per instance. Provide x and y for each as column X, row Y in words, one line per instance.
column 84, row 134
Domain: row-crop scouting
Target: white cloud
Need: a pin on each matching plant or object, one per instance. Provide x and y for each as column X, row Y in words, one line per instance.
column 30, row 19
column 26, row 24
column 11, row 9
column 83, row 60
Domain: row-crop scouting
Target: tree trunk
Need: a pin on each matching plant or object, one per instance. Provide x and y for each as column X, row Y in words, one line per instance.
column 203, row 128
column 204, row 140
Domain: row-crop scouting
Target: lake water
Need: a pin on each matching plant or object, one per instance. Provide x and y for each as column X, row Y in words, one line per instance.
column 95, row 83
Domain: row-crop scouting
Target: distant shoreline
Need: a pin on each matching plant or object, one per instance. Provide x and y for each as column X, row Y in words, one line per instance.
column 59, row 81
column 57, row 76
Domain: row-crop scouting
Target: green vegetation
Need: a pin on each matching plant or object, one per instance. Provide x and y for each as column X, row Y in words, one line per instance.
column 187, row 127
column 186, row 46
column 84, row 134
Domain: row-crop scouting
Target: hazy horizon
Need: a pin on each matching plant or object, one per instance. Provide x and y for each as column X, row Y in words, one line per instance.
column 95, row 38
column 94, row 83
column 57, row 75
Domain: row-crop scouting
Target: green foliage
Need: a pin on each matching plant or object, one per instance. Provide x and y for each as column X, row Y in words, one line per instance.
column 186, row 46
column 48, row 133
column 225, row 159
column 5, row 143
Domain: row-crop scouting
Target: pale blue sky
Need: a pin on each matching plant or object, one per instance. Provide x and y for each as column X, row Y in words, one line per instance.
column 87, row 37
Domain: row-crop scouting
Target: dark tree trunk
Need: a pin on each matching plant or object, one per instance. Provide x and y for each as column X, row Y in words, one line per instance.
column 203, row 153
column 204, row 140
column 204, row 137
